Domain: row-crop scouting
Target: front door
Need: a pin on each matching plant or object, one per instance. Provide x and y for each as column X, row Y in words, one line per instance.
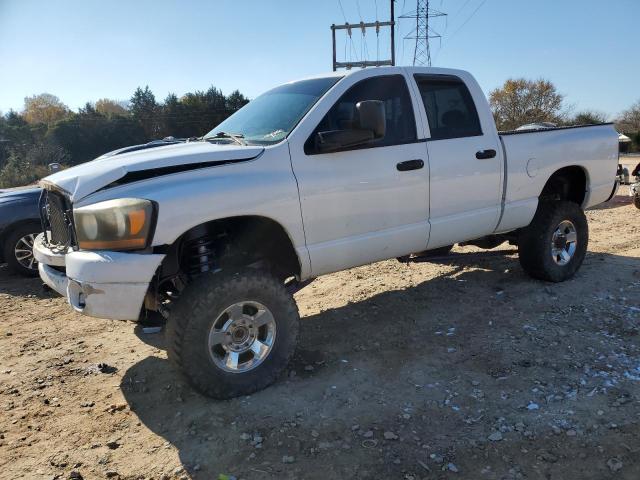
column 366, row 203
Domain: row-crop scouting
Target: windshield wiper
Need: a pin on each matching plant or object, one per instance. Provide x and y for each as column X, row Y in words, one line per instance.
column 236, row 137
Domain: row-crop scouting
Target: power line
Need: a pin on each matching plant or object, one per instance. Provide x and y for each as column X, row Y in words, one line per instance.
column 350, row 39
column 342, row 9
column 364, row 61
column 469, row 18
column 447, row 39
column 462, row 7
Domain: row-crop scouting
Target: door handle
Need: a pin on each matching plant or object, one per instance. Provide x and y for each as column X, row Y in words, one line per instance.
column 410, row 165
column 485, row 154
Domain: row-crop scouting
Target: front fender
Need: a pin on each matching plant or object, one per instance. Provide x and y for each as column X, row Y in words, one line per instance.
column 265, row 187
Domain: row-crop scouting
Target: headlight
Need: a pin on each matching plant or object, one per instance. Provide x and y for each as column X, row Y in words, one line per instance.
column 122, row 224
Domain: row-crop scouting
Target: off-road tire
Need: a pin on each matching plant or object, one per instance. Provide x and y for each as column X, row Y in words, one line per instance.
column 534, row 242
column 636, row 200
column 201, row 303
column 9, row 249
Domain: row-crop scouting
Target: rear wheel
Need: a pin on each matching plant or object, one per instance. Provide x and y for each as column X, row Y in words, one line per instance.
column 554, row 245
column 232, row 335
column 636, row 200
column 18, row 250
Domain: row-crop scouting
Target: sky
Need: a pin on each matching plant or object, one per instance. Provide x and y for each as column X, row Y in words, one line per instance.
column 83, row 50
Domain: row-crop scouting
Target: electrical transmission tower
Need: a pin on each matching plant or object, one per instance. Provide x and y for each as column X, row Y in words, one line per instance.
column 423, row 32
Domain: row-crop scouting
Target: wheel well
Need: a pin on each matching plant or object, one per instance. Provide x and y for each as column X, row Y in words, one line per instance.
column 231, row 243
column 568, row 183
column 20, row 223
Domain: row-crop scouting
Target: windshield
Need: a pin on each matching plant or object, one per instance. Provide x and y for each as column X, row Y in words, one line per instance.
column 270, row 117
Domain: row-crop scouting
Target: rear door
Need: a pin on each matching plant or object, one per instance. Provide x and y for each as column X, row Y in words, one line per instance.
column 366, row 203
column 465, row 160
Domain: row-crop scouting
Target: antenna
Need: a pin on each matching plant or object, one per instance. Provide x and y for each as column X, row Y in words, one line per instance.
column 423, row 33
column 362, row 28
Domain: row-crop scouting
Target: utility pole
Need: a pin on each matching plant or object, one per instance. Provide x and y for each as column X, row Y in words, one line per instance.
column 423, row 33
column 362, row 28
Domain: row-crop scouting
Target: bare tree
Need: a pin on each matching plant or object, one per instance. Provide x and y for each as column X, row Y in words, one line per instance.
column 629, row 120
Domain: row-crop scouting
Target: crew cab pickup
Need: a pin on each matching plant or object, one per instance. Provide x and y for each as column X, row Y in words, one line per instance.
column 312, row 177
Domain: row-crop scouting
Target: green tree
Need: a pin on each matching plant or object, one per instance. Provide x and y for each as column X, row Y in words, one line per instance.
column 16, row 172
column 235, row 101
column 47, row 131
column 172, row 124
column 144, row 108
column 521, row 101
column 16, row 135
column 589, row 117
column 29, row 165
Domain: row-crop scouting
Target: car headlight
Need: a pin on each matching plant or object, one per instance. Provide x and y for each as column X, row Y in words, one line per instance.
column 122, row 224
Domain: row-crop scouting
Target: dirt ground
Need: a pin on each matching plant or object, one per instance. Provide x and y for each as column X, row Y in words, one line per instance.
column 461, row 367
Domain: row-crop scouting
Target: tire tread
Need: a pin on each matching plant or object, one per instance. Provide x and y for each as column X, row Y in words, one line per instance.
column 194, row 306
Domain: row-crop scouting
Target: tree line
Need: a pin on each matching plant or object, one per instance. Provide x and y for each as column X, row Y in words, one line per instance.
column 47, row 131
column 521, row 101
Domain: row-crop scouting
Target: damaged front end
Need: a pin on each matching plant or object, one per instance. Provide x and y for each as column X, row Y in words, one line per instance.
column 103, row 284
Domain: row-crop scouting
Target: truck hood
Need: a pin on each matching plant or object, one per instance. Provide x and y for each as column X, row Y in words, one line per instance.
column 86, row 178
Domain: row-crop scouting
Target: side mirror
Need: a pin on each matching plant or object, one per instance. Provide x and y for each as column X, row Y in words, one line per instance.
column 370, row 126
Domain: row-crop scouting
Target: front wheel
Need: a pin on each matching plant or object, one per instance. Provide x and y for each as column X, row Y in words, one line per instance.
column 233, row 334
column 554, row 245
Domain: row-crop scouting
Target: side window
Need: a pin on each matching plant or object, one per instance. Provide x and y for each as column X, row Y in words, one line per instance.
column 449, row 105
column 400, row 120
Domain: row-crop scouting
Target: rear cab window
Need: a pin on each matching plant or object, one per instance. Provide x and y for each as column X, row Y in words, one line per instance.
column 450, row 109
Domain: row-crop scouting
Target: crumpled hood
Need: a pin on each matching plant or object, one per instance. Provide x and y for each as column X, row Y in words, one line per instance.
column 86, row 178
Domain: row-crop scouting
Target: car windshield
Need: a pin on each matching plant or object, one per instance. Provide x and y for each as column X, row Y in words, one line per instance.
column 270, row 117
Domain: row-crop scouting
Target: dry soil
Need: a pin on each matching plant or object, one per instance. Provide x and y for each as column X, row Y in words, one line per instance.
column 462, row 367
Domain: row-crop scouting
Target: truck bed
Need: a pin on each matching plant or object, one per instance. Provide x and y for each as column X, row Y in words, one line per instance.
column 532, row 156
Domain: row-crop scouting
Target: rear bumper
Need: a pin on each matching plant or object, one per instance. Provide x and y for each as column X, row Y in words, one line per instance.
column 99, row 284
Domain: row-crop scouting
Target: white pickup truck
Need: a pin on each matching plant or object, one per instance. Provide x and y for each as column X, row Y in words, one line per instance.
column 312, row 177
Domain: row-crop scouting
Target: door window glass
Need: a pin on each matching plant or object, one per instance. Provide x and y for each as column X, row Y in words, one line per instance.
column 449, row 105
column 400, row 120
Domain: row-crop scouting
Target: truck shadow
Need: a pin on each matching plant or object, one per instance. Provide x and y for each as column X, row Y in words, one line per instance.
column 426, row 350
column 19, row 286
column 620, row 200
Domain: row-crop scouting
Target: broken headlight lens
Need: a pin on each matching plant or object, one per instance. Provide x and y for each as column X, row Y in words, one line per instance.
column 122, row 224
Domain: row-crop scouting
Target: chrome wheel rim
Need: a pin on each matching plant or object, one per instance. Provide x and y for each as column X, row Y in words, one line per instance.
column 564, row 242
column 242, row 337
column 23, row 251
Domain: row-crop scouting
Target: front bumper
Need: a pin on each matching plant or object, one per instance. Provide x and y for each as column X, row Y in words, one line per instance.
column 98, row 284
